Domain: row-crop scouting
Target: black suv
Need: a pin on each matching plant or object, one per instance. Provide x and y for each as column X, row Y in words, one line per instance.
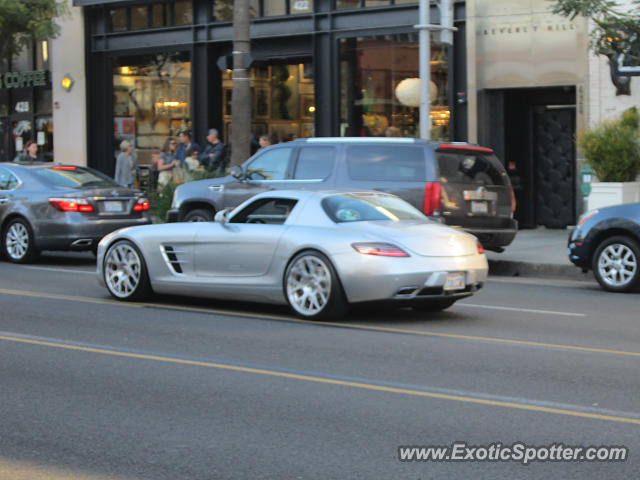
column 461, row 184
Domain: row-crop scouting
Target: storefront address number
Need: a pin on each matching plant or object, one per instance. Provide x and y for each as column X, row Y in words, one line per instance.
column 36, row 78
column 301, row 5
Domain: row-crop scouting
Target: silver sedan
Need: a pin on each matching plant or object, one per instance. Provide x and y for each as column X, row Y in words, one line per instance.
column 318, row 252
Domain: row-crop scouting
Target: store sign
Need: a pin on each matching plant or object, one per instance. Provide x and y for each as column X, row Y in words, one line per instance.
column 35, row 78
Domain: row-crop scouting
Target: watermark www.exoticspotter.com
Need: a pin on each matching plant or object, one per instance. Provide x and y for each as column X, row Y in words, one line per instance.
column 516, row 452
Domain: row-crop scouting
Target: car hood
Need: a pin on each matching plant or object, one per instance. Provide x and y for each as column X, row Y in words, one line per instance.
column 427, row 239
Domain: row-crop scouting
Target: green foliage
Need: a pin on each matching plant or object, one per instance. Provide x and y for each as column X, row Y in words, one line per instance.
column 612, row 148
column 26, row 20
column 616, row 29
column 160, row 199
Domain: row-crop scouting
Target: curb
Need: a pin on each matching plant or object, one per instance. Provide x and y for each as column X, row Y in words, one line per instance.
column 505, row 268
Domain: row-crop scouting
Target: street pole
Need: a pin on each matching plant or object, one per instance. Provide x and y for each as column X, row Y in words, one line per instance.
column 241, row 93
column 425, row 70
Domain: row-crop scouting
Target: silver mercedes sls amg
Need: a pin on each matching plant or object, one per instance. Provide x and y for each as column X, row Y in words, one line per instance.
column 318, row 252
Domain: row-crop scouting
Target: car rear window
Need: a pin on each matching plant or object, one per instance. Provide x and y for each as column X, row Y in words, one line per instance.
column 387, row 163
column 73, row 177
column 471, row 168
column 367, row 208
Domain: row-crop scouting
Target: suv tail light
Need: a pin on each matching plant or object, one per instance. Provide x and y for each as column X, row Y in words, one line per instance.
column 513, row 202
column 432, row 199
column 71, row 204
column 142, row 205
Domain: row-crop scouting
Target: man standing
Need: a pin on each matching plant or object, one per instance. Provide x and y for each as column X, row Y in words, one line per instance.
column 212, row 157
column 184, row 139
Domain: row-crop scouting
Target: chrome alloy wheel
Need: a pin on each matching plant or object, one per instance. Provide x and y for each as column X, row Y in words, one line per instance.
column 309, row 285
column 617, row 265
column 17, row 241
column 122, row 270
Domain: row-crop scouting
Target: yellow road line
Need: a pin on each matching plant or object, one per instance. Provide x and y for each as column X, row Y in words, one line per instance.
column 233, row 313
column 329, row 381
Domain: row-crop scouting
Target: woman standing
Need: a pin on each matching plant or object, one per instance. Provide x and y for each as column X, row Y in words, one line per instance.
column 30, row 153
column 126, row 165
column 168, row 161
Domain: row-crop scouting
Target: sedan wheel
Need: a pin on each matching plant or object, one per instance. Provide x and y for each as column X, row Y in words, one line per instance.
column 312, row 287
column 17, row 242
column 615, row 264
column 125, row 273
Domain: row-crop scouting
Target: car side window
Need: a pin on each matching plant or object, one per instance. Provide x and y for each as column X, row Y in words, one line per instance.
column 8, row 181
column 387, row 163
column 273, row 211
column 271, row 165
column 315, row 163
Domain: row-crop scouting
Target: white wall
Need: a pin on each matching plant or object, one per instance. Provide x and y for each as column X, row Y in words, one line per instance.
column 67, row 56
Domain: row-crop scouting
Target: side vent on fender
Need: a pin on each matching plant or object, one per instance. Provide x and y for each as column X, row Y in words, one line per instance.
column 171, row 256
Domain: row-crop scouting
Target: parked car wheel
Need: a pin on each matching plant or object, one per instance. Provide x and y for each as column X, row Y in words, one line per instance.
column 616, row 264
column 125, row 273
column 199, row 215
column 313, row 289
column 17, row 242
column 434, row 305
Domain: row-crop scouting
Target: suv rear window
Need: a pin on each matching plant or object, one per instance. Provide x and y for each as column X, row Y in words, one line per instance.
column 73, row 177
column 387, row 163
column 471, row 168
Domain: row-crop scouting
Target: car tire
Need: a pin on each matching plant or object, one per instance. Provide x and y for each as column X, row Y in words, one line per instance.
column 124, row 272
column 18, row 242
column 312, row 287
column 616, row 264
column 434, row 305
column 199, row 215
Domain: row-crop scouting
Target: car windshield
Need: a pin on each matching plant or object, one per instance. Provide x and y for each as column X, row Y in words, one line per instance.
column 365, row 208
column 73, row 177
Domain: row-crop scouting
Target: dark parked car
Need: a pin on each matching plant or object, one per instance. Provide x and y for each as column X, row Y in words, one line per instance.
column 607, row 241
column 459, row 184
column 46, row 206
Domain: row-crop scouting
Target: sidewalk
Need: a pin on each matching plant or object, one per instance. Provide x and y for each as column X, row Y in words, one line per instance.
column 538, row 252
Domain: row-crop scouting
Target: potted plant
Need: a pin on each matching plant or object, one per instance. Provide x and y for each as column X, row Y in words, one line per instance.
column 612, row 150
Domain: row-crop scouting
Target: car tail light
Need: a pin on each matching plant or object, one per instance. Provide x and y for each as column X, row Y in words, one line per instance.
column 465, row 148
column 432, row 199
column 586, row 217
column 379, row 249
column 142, row 205
column 64, row 167
column 513, row 202
column 480, row 247
column 71, row 204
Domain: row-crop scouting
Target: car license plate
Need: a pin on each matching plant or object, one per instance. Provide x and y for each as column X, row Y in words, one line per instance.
column 479, row 207
column 455, row 281
column 112, row 207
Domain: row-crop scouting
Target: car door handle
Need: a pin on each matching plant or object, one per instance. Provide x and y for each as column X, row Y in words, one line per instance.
column 4, row 199
column 216, row 188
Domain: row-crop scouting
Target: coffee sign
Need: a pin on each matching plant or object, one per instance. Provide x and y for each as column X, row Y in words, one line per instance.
column 35, row 78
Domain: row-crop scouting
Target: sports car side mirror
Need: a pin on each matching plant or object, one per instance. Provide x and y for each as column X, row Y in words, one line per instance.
column 237, row 172
column 222, row 216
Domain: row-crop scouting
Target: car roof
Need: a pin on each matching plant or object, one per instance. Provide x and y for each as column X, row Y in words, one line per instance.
column 37, row 165
column 304, row 194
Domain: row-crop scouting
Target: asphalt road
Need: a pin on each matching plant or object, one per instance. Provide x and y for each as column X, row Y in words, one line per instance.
column 177, row 388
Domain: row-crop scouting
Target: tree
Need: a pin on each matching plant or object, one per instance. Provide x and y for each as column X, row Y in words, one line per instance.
column 616, row 30
column 26, row 20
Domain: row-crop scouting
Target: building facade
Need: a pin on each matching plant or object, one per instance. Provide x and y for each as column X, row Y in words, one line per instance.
column 320, row 68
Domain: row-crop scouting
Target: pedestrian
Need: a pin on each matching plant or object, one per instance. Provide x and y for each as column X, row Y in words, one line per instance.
column 192, row 162
column 168, row 163
column 264, row 141
column 184, row 143
column 212, row 157
column 126, row 165
column 29, row 153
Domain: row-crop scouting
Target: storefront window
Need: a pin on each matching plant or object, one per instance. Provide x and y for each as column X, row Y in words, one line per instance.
column 347, row 4
column 274, row 7
column 283, row 101
column 182, row 13
column 151, row 100
column 42, row 55
column 223, row 10
column 380, row 87
column 139, row 17
column 158, row 15
column 118, row 19
column 4, row 139
column 44, row 136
